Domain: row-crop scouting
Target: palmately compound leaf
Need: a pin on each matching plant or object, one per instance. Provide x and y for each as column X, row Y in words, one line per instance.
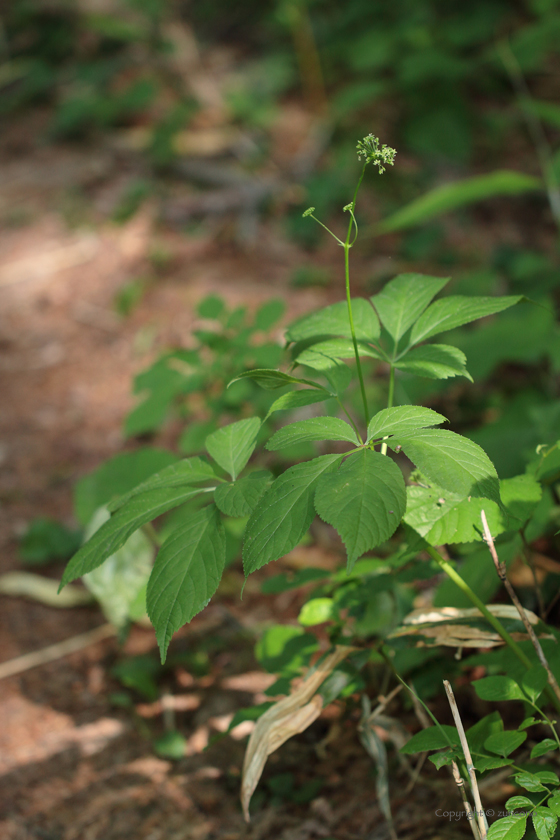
column 232, row 445
column 270, row 379
column 432, row 738
column 114, row 533
column 435, row 361
column 240, row 497
column 452, row 461
column 181, row 474
column 401, row 420
column 544, row 822
column 284, row 513
column 333, row 320
column 364, row 500
column 314, row 428
column 402, row 301
column 186, row 573
column 508, row 828
column 297, row 399
column 456, row 310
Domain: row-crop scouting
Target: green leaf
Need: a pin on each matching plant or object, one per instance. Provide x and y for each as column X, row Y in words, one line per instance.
column 442, row 517
column 530, row 721
column 171, row 745
column 488, row 725
column 449, row 197
column 333, row 320
column 210, row 307
column 451, row 461
column 554, row 804
column 456, row 310
column 297, row 399
column 284, row 648
column 47, row 540
column 186, row 573
column 116, row 476
column 520, row 495
column 401, row 420
column 240, row 497
column 482, row 763
column 432, row 738
column 232, row 445
column 544, row 822
column 338, row 373
column 508, row 828
column 343, row 348
column 364, row 501
column 270, row 379
column 314, row 428
column 498, row 688
column 282, row 583
column 283, row 514
column 529, row 781
column 114, row 533
column 534, row 682
column 121, row 579
column 435, row 361
column 402, row 301
column 518, row 802
column 316, row 611
column 543, row 748
column 547, row 777
column 183, row 473
column 504, row 743
column 442, row 759
column 269, row 313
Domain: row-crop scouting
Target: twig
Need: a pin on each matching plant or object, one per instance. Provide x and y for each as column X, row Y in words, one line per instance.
column 481, row 816
column 502, row 574
column 460, row 782
column 56, row 651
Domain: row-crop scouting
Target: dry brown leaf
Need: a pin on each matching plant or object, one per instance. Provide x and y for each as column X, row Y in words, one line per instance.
column 288, row 717
column 434, row 614
column 436, row 624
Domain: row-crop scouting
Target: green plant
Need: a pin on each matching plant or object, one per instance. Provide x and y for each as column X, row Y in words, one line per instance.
column 357, row 486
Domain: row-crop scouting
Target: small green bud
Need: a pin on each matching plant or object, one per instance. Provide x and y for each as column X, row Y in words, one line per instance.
column 347, row 207
column 308, row 212
column 381, row 157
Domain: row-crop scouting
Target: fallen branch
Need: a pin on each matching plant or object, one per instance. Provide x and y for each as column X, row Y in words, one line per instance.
column 56, row 651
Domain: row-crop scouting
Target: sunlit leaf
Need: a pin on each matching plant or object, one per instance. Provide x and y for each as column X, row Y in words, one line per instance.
column 232, row 445
column 456, row 310
column 403, row 299
column 314, row 428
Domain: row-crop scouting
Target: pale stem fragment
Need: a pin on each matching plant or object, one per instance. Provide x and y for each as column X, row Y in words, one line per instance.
column 481, row 816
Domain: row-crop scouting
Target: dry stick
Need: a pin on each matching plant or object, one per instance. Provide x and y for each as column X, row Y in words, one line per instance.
column 56, row 651
column 481, row 816
column 460, row 782
column 501, row 570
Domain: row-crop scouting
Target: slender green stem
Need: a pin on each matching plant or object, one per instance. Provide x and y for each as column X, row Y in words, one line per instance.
column 464, row 587
column 353, row 331
column 496, row 624
column 347, row 245
column 389, row 400
column 334, row 236
column 341, row 404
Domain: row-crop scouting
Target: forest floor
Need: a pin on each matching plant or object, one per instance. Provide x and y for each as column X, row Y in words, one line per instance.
column 73, row 765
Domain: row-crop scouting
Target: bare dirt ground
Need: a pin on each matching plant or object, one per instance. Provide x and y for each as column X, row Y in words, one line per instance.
column 74, row 766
